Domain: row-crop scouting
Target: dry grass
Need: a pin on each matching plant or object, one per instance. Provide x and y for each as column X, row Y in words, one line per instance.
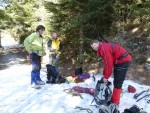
column 140, row 74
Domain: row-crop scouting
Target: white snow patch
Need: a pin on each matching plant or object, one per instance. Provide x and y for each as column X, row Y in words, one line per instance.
column 7, row 40
column 16, row 96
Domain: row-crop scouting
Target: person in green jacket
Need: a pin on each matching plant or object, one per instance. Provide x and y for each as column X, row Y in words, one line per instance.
column 34, row 45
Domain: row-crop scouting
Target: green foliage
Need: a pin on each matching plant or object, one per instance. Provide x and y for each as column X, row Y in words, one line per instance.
column 25, row 16
column 142, row 13
column 3, row 18
column 132, row 12
column 2, row 14
column 22, row 18
column 93, row 18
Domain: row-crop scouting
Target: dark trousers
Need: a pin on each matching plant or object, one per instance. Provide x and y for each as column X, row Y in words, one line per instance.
column 54, row 60
column 36, row 66
column 120, row 71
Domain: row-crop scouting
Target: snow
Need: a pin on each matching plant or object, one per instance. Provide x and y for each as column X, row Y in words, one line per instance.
column 16, row 95
column 8, row 40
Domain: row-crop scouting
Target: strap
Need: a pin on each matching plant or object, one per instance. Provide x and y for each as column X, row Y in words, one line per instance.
column 113, row 46
column 49, row 43
column 124, row 55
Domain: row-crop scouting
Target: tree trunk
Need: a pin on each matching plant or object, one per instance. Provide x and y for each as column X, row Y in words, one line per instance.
column 81, row 36
column 0, row 41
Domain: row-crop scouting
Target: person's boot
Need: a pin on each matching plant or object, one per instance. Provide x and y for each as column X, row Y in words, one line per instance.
column 34, row 83
column 38, row 79
column 40, row 82
column 116, row 95
column 35, row 86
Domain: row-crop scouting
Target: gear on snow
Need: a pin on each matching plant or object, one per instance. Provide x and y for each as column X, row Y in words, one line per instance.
column 102, row 93
column 112, row 108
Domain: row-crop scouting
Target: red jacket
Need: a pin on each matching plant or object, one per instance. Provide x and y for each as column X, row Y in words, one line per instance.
column 110, row 55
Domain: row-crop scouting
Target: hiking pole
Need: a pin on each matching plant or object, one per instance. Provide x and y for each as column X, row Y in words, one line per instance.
column 137, row 95
column 143, row 97
column 95, row 106
column 92, row 101
column 93, row 78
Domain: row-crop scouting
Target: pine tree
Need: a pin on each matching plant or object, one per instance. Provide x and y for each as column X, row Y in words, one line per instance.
column 26, row 15
column 80, row 21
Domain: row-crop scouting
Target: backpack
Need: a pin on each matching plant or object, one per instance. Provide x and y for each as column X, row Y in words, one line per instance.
column 133, row 109
column 84, row 76
column 102, row 93
column 53, row 76
column 78, row 71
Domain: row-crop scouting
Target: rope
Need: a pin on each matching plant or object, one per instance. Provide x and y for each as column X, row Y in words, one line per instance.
column 72, row 92
column 87, row 109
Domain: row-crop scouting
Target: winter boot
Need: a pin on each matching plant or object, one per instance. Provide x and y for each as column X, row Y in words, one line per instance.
column 40, row 82
column 33, row 78
column 38, row 75
column 116, row 95
column 35, row 86
column 34, row 83
column 38, row 79
column 112, row 108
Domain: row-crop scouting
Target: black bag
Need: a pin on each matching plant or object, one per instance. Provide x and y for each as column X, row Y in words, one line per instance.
column 133, row 109
column 53, row 76
column 102, row 93
column 78, row 71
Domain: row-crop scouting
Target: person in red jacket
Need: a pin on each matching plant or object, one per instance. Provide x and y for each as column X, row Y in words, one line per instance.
column 115, row 59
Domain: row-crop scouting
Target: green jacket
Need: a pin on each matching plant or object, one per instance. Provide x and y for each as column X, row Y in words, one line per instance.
column 34, row 43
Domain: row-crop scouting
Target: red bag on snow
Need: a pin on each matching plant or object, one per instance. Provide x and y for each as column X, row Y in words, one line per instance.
column 131, row 89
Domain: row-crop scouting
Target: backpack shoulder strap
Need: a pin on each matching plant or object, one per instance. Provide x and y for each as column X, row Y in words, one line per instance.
column 113, row 46
column 49, row 43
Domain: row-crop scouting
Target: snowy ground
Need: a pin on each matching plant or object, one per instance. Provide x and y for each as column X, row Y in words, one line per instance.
column 16, row 96
column 7, row 40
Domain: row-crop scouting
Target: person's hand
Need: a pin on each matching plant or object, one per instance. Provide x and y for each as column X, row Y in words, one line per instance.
column 37, row 52
column 58, row 52
column 30, row 52
column 104, row 80
column 52, row 50
column 44, row 54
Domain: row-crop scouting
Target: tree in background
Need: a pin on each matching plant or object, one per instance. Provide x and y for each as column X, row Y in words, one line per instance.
column 79, row 22
column 22, row 16
column 25, row 16
column 132, row 13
